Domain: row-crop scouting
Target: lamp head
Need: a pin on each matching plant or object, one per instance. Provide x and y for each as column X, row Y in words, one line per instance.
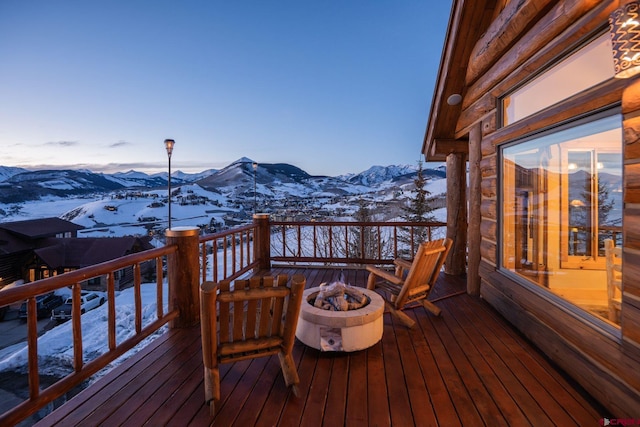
column 255, row 166
column 624, row 25
column 168, row 144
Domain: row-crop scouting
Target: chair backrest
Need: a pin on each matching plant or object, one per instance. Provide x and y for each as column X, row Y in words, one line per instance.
column 425, row 269
column 613, row 256
column 253, row 318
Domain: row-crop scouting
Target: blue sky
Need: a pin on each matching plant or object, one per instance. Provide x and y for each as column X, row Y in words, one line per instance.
column 329, row 86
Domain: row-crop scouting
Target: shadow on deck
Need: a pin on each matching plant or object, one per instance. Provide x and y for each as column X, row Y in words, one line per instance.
column 466, row 367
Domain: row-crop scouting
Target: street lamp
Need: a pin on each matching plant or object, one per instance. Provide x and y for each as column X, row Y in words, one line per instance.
column 255, row 200
column 168, row 144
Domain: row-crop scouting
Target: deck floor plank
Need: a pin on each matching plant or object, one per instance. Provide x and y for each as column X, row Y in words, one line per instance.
column 336, row 407
column 502, row 369
column 456, row 389
column 571, row 399
column 318, row 393
column 487, row 365
column 440, row 399
column 507, row 348
column 377, row 393
column 417, row 391
column 356, row 404
column 466, row 367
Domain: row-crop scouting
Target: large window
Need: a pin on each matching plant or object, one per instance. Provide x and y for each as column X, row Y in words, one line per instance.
column 581, row 70
column 561, row 200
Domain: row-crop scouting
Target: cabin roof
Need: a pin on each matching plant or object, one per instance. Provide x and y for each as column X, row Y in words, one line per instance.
column 38, row 228
column 82, row 252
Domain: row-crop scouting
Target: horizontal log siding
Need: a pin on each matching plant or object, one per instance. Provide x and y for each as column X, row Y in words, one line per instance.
column 630, row 315
column 593, row 359
column 604, row 363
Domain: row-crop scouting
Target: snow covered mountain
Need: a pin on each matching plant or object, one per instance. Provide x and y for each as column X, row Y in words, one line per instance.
column 7, row 172
column 19, row 185
column 134, row 203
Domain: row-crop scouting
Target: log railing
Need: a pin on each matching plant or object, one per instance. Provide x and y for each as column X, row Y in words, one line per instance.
column 227, row 255
column 342, row 242
column 191, row 259
column 84, row 369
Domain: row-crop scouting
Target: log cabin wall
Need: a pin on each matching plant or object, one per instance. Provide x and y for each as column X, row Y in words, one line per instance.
column 523, row 38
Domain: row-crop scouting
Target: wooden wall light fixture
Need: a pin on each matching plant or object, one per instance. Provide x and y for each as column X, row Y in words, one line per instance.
column 624, row 28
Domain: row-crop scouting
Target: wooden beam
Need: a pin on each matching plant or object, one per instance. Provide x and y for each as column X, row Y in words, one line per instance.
column 444, row 147
column 475, row 199
column 457, row 213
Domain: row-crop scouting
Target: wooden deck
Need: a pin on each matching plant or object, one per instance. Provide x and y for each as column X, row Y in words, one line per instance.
column 467, row 367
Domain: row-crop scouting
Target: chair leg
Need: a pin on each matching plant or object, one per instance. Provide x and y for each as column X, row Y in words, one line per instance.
column 409, row 322
column 431, row 307
column 289, row 371
column 371, row 281
column 212, row 386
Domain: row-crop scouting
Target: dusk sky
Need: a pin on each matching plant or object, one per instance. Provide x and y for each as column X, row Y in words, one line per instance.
column 329, row 86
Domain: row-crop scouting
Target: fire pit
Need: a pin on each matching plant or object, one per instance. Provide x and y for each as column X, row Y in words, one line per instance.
column 329, row 329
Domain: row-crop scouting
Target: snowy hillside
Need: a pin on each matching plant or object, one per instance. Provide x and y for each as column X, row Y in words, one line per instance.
column 133, row 203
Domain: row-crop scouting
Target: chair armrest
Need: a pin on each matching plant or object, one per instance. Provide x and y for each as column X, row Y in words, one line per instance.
column 403, row 263
column 390, row 277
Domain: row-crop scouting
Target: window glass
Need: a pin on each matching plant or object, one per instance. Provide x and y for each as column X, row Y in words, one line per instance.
column 561, row 201
column 583, row 69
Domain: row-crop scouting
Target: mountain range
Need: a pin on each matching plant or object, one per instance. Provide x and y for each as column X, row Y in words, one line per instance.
column 19, row 185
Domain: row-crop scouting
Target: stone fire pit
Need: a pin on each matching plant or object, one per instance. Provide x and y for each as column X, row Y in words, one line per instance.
column 339, row 330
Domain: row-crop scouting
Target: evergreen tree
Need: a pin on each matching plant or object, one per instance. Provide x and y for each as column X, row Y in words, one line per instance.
column 416, row 210
column 364, row 241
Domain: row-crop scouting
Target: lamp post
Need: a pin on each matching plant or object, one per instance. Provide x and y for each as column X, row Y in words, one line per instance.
column 255, row 199
column 168, row 144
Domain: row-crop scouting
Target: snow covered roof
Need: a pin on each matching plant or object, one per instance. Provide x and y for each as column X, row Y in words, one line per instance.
column 38, row 228
column 86, row 251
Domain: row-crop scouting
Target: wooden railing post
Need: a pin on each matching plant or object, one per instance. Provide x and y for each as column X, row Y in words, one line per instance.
column 262, row 241
column 184, row 276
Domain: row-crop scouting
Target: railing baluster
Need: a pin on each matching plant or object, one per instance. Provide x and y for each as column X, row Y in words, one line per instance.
column 137, row 281
column 395, row 241
column 32, row 340
column 111, row 311
column 214, row 259
column 233, row 253
column 330, row 241
column 224, row 256
column 76, row 325
column 159, row 290
column 203, row 261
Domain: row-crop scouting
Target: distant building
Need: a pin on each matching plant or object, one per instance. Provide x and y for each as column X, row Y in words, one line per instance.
column 36, row 249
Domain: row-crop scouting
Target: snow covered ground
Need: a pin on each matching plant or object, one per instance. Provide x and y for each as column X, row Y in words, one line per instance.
column 55, row 347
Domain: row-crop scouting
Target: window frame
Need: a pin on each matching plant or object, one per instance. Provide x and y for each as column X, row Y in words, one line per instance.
column 565, row 304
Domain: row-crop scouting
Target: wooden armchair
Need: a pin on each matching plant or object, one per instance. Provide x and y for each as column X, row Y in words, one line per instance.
column 613, row 256
column 412, row 281
column 253, row 318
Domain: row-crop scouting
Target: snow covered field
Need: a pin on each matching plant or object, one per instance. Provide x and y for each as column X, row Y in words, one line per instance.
column 55, row 347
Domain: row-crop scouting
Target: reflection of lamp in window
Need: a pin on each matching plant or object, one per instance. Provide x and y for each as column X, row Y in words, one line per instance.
column 577, row 203
column 572, row 166
column 600, row 165
column 624, row 25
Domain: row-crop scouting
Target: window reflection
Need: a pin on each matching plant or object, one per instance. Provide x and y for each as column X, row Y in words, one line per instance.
column 583, row 69
column 561, row 199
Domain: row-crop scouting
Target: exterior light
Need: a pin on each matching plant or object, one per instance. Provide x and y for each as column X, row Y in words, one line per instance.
column 624, row 29
column 454, row 99
column 168, row 144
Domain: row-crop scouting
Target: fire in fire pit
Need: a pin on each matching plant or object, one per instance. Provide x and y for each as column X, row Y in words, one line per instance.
column 339, row 296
